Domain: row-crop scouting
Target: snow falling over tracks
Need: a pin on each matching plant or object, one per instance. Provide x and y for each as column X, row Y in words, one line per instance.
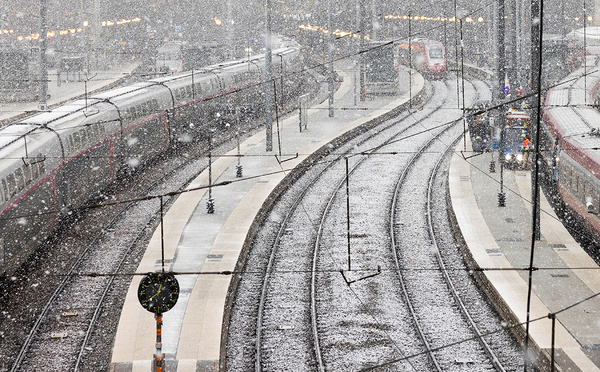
column 72, row 313
column 294, row 310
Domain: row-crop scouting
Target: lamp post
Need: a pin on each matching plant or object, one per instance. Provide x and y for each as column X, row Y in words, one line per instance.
column 330, row 43
column 210, row 204
column 501, row 194
column 269, row 77
column 43, row 88
column 238, row 167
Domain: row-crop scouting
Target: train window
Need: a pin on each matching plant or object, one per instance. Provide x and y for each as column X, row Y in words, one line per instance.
column 70, row 144
column 136, row 111
column 27, row 173
column 198, row 88
column 76, row 141
column 11, row 185
column 178, row 94
column 4, row 193
column 84, row 139
column 35, row 169
column 153, row 105
column 90, row 133
column 20, row 178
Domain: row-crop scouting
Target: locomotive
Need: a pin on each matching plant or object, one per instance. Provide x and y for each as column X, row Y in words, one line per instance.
column 429, row 57
column 52, row 163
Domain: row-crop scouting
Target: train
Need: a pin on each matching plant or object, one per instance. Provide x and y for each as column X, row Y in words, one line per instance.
column 512, row 139
column 54, row 162
column 570, row 134
column 429, row 57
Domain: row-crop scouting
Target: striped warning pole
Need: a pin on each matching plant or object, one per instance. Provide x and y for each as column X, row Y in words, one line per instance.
column 158, row 357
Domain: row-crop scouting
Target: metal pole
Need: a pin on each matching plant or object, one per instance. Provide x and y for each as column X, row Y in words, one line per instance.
column 501, row 195
column 162, row 235
column 511, row 35
column 462, row 77
column 158, row 357
column 374, row 23
column 410, row 66
column 238, row 168
column 552, row 348
column 348, row 211
column 330, row 43
column 277, row 118
column 363, row 33
column 269, row 71
column 536, row 79
column 230, row 31
column 500, row 71
column 210, row 204
column 584, row 53
column 43, row 88
column 456, row 55
column 537, row 12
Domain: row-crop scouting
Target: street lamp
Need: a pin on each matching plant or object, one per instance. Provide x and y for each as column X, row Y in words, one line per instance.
column 501, row 194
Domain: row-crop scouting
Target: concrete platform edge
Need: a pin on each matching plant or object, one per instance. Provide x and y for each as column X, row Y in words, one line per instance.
column 568, row 357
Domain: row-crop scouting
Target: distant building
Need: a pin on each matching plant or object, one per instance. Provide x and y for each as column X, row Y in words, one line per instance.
column 15, row 78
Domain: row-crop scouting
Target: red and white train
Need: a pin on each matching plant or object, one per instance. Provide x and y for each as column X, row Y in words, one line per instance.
column 53, row 162
column 429, row 57
column 571, row 143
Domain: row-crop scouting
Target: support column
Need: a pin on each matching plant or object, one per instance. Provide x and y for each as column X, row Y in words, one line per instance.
column 268, row 85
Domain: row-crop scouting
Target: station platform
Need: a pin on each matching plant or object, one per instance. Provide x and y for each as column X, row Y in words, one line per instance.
column 197, row 242
column 499, row 240
column 62, row 92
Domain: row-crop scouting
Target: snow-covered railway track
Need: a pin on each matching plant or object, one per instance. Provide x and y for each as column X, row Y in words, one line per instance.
column 301, row 304
column 415, row 245
column 69, row 316
column 83, row 272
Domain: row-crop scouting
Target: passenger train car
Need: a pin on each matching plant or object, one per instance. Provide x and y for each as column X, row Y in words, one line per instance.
column 571, row 143
column 429, row 57
column 52, row 163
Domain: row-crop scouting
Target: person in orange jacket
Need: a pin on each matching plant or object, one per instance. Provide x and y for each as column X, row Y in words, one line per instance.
column 526, row 143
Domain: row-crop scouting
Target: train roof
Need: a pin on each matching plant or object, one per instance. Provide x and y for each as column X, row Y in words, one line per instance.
column 575, row 121
column 129, row 90
column 49, row 117
column 517, row 115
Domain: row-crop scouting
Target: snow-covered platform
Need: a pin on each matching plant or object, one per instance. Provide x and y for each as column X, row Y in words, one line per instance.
column 499, row 243
column 60, row 93
column 198, row 242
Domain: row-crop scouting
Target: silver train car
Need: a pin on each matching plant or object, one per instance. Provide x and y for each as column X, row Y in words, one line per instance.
column 54, row 162
column 571, row 143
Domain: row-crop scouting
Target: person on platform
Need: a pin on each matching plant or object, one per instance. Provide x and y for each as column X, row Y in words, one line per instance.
column 526, row 148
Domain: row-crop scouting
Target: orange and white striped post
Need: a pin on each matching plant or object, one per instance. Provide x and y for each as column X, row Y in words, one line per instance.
column 158, row 357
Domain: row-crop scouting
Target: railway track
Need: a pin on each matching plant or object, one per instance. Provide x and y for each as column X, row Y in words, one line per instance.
column 57, row 309
column 69, row 315
column 72, row 312
column 318, row 295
